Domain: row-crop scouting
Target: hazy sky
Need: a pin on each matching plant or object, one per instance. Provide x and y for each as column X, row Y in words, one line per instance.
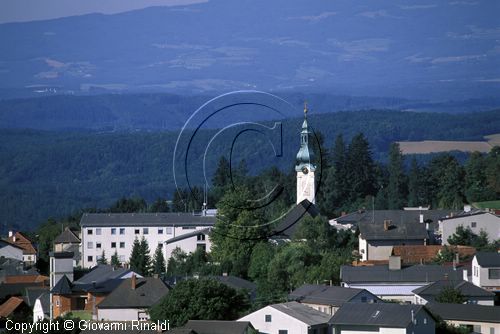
column 28, row 10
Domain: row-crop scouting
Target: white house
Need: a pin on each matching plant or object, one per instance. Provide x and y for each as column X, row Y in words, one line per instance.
column 41, row 309
column 471, row 293
column 396, row 282
column 386, row 318
column 288, row 318
column 476, row 318
column 10, row 251
column 132, row 299
column 116, row 232
column 329, row 299
column 475, row 220
column 486, row 270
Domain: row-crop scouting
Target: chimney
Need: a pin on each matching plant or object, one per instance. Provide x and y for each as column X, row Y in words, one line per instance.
column 465, row 277
column 421, row 218
column 467, row 208
column 394, row 262
column 133, row 281
column 412, row 316
column 386, row 225
column 224, row 274
column 11, row 234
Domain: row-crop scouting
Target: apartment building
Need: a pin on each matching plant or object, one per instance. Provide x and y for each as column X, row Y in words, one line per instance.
column 116, row 232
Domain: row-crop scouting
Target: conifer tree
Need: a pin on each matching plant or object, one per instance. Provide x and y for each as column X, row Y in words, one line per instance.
column 102, row 259
column 159, row 261
column 396, row 189
column 135, row 257
column 115, row 262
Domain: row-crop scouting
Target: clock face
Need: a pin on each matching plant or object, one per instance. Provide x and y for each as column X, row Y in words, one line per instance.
column 305, row 170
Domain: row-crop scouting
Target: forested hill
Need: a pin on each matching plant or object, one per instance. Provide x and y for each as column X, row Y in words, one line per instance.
column 159, row 111
column 44, row 174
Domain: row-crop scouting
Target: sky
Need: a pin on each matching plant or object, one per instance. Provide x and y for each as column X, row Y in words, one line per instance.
column 29, row 10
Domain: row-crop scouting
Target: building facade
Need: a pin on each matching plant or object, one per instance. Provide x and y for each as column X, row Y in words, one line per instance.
column 110, row 233
column 476, row 221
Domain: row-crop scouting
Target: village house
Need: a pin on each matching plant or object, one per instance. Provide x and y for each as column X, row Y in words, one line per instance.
column 476, row 220
column 382, row 318
column 10, row 251
column 288, row 318
column 471, row 293
column 68, row 241
column 328, row 299
column 486, row 271
column 132, row 299
column 396, row 282
column 22, row 241
column 476, row 318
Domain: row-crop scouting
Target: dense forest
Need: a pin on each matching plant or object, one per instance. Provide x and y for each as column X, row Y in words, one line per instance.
column 51, row 174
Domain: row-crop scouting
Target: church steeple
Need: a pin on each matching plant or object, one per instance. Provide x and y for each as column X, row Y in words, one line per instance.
column 304, row 166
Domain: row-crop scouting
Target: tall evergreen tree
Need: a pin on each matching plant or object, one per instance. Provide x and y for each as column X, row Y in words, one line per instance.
column 415, row 192
column 476, row 187
column 146, row 257
column 396, row 189
column 446, row 182
column 136, row 257
column 115, row 261
column 222, row 176
column 159, row 261
column 360, row 169
column 493, row 170
column 102, row 259
column 160, row 205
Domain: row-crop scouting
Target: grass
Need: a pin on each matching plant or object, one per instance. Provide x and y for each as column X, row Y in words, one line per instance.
column 83, row 315
column 488, row 205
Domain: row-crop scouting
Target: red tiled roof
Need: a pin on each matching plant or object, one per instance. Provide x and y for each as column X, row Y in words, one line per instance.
column 24, row 242
column 10, row 306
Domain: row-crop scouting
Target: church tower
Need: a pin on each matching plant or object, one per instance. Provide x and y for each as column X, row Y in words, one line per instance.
column 304, row 167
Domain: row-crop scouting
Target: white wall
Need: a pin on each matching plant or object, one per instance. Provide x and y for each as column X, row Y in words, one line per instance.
column 485, row 327
column 487, row 222
column 38, row 313
column 125, row 314
column 106, row 238
column 188, row 245
column 480, row 276
column 279, row 321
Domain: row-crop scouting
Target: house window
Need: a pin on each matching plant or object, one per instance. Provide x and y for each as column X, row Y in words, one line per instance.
column 113, row 245
column 136, row 231
column 142, row 316
column 122, row 231
column 169, row 230
column 113, row 231
column 202, row 247
column 268, row 318
column 90, row 258
column 160, row 244
column 98, row 231
column 473, row 224
column 98, row 245
column 145, row 230
column 283, row 331
column 57, row 303
column 425, row 321
column 90, row 231
column 160, row 231
column 492, row 330
column 493, row 273
column 90, row 245
column 122, row 244
column 200, row 237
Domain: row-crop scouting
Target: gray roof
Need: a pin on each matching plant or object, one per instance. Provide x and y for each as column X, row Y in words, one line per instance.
column 45, row 301
column 218, row 326
column 488, row 259
column 407, row 222
column 466, row 312
column 148, row 292
column 238, row 283
column 465, row 214
column 205, row 231
column 101, row 273
column 287, row 226
column 467, row 289
column 63, row 287
column 378, row 314
column 322, row 294
column 32, row 294
column 145, row 219
column 67, row 237
column 302, row 313
column 411, row 274
column 4, row 243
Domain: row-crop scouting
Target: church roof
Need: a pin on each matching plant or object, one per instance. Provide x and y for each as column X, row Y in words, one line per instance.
column 287, row 227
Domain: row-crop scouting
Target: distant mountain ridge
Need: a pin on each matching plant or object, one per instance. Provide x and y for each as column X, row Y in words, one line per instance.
column 115, row 112
column 439, row 51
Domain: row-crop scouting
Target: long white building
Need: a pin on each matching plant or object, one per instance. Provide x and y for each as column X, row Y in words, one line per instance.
column 110, row 232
